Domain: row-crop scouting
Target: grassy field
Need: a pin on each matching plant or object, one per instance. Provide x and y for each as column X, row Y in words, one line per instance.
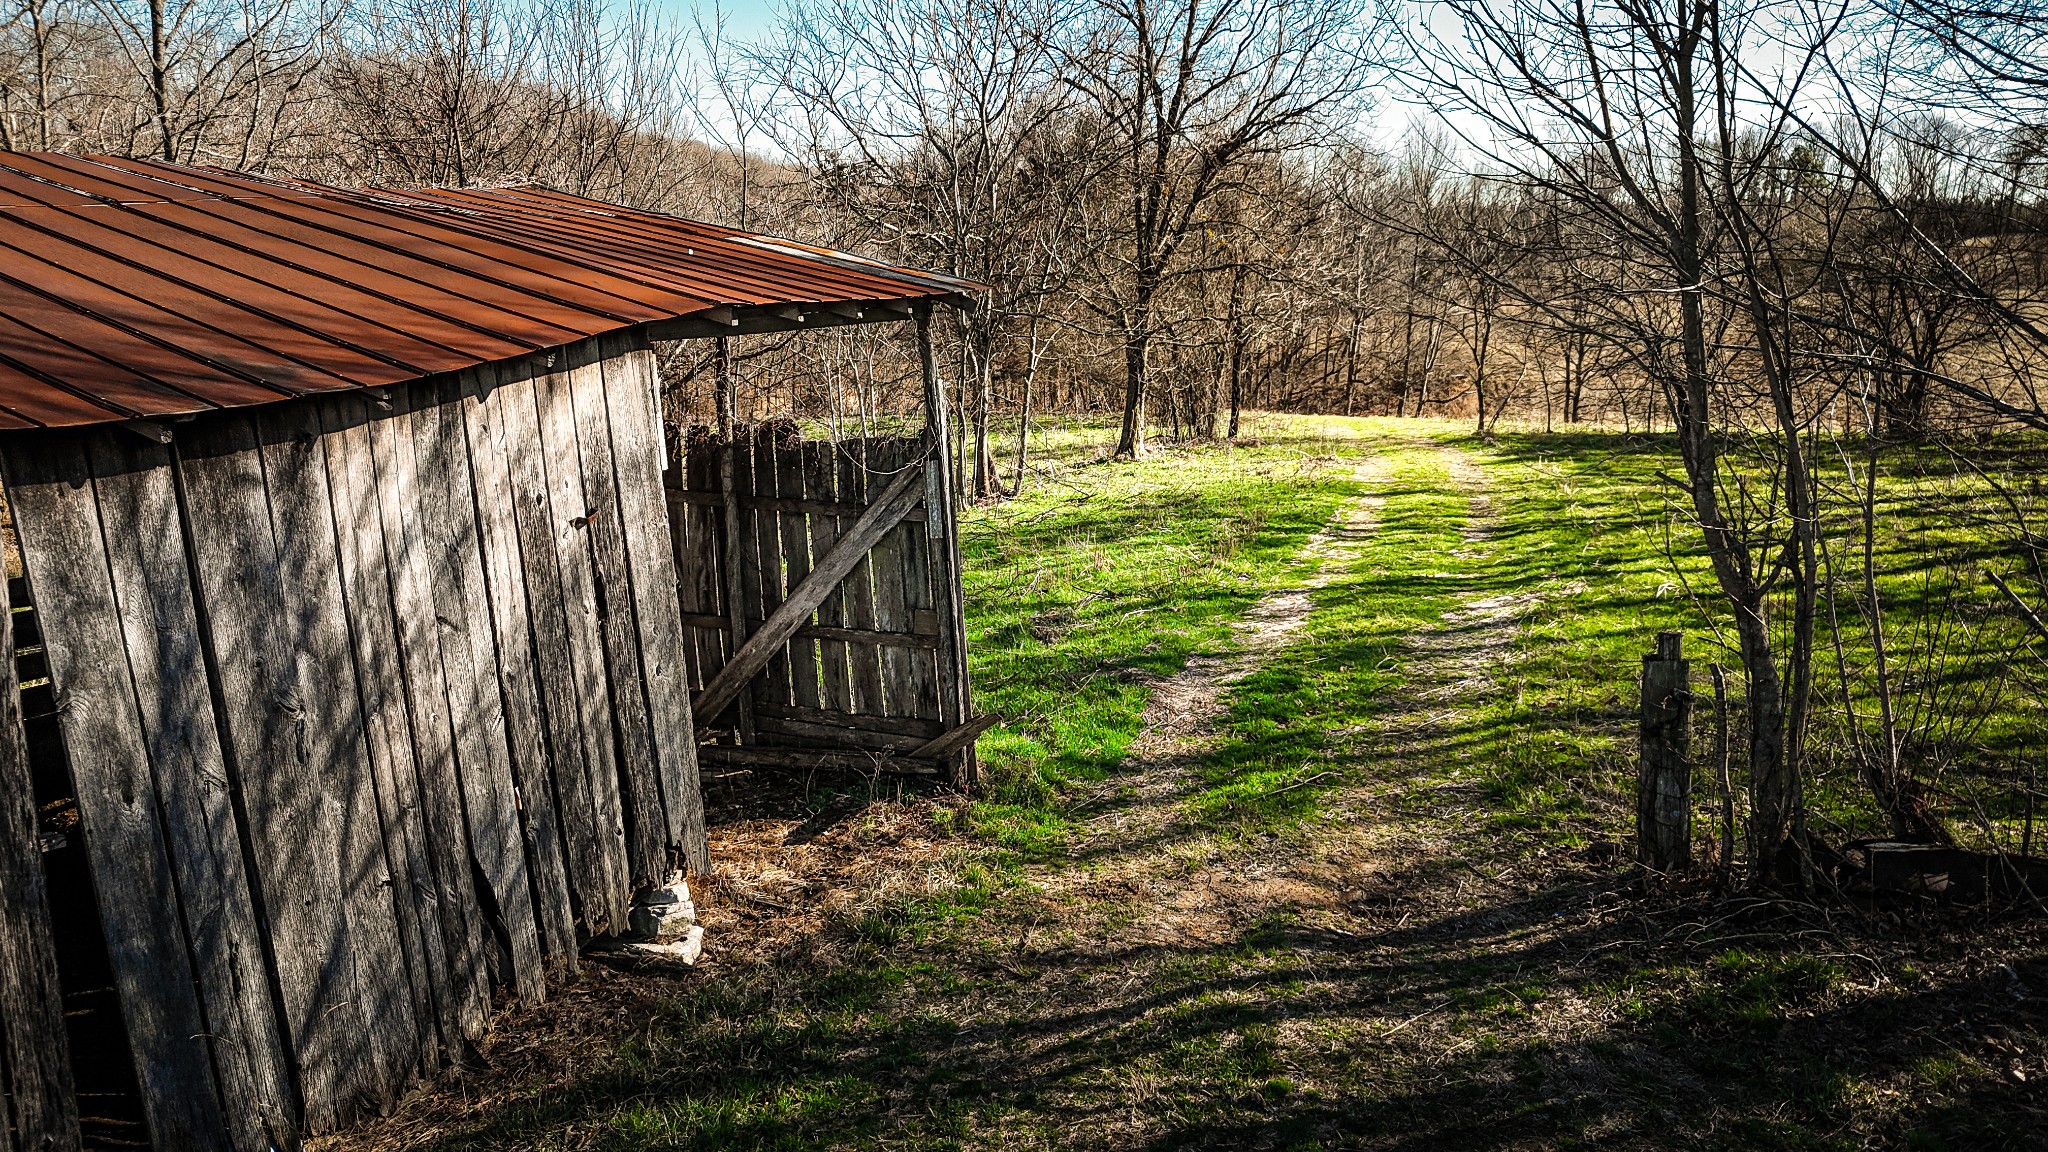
column 1301, row 832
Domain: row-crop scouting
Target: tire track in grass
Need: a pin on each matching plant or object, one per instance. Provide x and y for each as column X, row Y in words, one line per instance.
column 1457, row 660
column 1181, row 718
column 1145, row 833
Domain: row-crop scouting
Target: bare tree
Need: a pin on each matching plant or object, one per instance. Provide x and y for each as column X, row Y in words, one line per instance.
column 931, row 128
column 1187, row 92
column 212, row 80
column 1645, row 119
column 35, row 36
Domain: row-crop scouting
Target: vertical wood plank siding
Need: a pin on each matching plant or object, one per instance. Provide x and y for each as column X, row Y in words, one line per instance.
column 519, row 687
column 37, row 1075
column 309, row 632
column 601, row 531
column 590, row 878
column 568, row 518
column 449, row 897
column 361, row 701
column 138, row 502
column 835, row 689
column 637, row 438
column 469, row 676
column 772, row 686
column 367, row 594
column 52, row 497
column 864, row 660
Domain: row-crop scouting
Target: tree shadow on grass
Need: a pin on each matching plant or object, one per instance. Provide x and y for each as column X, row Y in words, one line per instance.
column 1479, row 1027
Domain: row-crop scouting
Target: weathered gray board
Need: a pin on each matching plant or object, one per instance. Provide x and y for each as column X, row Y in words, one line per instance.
column 860, row 682
column 36, row 1076
column 369, row 705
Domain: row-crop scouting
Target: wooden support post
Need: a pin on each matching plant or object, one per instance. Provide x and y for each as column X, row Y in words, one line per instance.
column 1664, row 781
column 748, row 658
column 727, row 397
column 942, row 530
column 735, row 556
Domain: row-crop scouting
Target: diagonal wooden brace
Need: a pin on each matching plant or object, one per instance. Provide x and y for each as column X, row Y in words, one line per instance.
column 949, row 742
column 885, row 513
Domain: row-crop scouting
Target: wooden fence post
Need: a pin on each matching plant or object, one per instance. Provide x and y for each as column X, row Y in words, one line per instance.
column 734, row 554
column 1664, row 776
column 727, row 398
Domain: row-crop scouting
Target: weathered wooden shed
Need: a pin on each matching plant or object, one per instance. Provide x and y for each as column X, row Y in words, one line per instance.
column 354, row 662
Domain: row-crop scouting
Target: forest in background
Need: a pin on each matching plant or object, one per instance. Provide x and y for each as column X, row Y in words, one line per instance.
column 1802, row 241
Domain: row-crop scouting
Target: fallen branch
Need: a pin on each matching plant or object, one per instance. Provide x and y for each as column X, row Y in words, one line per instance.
column 1412, row 1019
column 1293, row 786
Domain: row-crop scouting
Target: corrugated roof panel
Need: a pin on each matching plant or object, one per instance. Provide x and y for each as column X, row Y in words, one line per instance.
column 606, row 252
column 17, row 190
column 104, row 287
column 50, row 339
column 347, row 250
column 114, row 183
column 776, row 273
column 132, row 288
column 479, row 269
column 399, row 281
column 40, row 400
column 302, row 304
column 646, row 276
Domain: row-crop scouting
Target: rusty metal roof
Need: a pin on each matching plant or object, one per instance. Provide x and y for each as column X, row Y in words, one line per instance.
column 131, row 289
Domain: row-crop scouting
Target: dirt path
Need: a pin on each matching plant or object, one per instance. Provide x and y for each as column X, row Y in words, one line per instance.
column 1157, row 877
column 1180, row 719
column 1451, row 663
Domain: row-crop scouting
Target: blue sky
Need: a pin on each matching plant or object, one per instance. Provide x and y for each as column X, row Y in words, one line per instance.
column 744, row 19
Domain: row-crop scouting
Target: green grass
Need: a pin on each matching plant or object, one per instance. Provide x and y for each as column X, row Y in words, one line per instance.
column 1092, row 585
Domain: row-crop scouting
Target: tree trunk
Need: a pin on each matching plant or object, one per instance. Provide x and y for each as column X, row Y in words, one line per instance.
column 986, row 483
column 1137, row 343
column 1351, row 362
column 1773, row 792
column 1482, row 342
column 726, row 400
column 1024, row 406
column 1574, row 379
column 1408, row 340
column 1235, row 328
column 1905, row 407
column 159, row 81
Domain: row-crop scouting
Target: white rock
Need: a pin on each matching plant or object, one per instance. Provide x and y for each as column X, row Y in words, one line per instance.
column 662, row 921
column 676, row 891
column 684, row 951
